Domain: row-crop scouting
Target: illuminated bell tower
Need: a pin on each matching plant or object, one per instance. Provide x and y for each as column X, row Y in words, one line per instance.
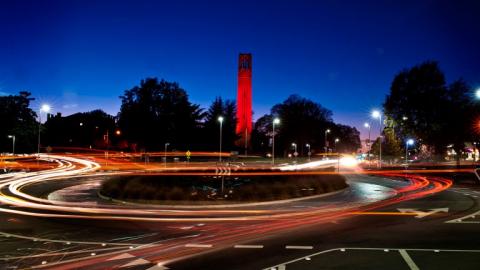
column 244, row 100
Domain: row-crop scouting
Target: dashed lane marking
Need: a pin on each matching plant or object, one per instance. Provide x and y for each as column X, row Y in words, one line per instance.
column 248, row 246
column 198, row 245
column 299, row 247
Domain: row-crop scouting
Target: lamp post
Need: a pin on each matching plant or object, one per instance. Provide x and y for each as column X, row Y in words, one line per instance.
column 308, row 153
column 276, row 121
column 326, row 140
column 367, row 125
column 336, row 141
column 13, row 143
column 377, row 114
column 295, row 153
column 220, row 120
column 43, row 108
column 165, row 153
column 407, row 143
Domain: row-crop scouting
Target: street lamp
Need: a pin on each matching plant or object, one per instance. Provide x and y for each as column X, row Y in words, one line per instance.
column 407, row 143
column 477, row 93
column 336, row 141
column 13, row 143
column 295, row 153
column 377, row 114
column 220, row 119
column 44, row 108
column 367, row 125
column 276, row 121
column 326, row 141
column 165, row 153
column 308, row 153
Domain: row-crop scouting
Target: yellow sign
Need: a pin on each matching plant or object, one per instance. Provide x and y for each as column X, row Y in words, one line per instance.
column 188, row 154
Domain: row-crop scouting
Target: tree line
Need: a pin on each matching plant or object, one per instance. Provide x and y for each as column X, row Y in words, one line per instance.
column 422, row 106
column 157, row 112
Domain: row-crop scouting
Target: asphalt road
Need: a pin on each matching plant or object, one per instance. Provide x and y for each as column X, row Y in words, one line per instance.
column 341, row 231
column 436, row 241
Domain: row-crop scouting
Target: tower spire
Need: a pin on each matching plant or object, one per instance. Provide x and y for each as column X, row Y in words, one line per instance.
column 244, row 100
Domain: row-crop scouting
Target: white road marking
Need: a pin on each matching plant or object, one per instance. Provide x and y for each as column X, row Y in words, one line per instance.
column 299, row 247
column 460, row 220
column 360, row 248
column 408, row 259
column 422, row 214
column 139, row 261
column 198, row 246
column 121, row 256
column 248, row 246
column 158, row 267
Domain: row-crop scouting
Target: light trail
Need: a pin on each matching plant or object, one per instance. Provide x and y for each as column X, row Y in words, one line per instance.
column 224, row 227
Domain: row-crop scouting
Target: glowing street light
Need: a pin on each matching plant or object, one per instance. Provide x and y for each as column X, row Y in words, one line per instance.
column 295, row 153
column 407, row 143
column 276, row 121
column 336, row 141
column 326, row 141
column 477, row 93
column 13, row 143
column 367, row 125
column 165, row 153
column 220, row 120
column 309, row 152
column 377, row 114
column 44, row 108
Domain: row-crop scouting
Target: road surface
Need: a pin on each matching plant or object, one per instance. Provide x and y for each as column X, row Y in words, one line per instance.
column 54, row 220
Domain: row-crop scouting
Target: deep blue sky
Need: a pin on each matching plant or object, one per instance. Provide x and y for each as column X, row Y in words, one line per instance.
column 81, row 55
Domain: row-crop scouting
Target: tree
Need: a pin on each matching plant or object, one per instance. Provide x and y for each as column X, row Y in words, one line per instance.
column 18, row 119
column 302, row 121
column 418, row 95
column 461, row 116
column 422, row 106
column 81, row 130
column 392, row 147
column 226, row 109
column 349, row 138
column 157, row 112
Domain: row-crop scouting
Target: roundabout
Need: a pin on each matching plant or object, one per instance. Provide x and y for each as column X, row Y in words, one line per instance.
column 69, row 193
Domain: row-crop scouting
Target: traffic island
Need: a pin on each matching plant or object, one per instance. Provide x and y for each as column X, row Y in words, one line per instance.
column 202, row 190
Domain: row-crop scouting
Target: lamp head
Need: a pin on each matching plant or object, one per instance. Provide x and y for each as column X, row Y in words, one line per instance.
column 45, row 108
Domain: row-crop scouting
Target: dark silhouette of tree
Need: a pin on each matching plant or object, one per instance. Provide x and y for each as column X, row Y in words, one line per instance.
column 18, row 119
column 157, row 112
column 392, row 147
column 349, row 138
column 302, row 121
column 421, row 105
column 226, row 109
column 88, row 129
column 418, row 95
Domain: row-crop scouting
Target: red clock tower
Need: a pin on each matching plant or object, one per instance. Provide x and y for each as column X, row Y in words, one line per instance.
column 244, row 100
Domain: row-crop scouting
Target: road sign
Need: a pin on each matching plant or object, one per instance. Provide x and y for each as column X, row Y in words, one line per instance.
column 223, row 170
column 422, row 214
column 188, row 154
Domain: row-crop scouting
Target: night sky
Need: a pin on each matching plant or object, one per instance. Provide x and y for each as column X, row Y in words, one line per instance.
column 81, row 55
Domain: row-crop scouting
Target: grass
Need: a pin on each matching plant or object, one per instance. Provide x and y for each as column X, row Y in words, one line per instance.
column 202, row 189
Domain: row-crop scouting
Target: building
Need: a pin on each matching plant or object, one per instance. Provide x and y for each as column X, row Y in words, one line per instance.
column 244, row 100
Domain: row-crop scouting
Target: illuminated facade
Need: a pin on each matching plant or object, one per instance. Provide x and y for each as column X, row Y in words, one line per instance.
column 244, row 100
